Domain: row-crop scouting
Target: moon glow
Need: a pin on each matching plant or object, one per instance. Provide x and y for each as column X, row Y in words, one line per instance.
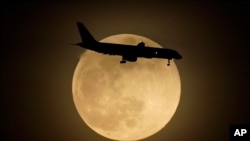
column 129, row 101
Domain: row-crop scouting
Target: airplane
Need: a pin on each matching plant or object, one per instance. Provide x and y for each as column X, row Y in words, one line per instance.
column 128, row 52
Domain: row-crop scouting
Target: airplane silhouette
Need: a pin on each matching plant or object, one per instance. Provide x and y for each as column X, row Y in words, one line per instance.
column 128, row 52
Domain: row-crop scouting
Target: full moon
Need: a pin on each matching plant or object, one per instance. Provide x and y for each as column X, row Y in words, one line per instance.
column 125, row 102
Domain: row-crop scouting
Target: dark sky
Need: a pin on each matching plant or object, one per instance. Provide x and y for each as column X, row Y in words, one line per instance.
column 37, row 64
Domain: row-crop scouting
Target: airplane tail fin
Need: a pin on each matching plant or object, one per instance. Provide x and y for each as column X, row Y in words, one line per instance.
column 86, row 37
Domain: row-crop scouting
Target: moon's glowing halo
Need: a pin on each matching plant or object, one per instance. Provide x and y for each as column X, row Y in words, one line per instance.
column 128, row 101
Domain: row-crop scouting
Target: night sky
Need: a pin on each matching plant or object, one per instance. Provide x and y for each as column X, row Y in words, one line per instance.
column 38, row 62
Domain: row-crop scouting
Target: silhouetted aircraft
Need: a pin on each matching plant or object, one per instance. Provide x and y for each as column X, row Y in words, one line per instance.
column 128, row 52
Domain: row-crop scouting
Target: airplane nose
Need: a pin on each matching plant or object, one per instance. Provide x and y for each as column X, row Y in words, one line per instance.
column 178, row 56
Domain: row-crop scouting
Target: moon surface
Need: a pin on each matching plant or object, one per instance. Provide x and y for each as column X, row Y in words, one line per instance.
column 129, row 101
